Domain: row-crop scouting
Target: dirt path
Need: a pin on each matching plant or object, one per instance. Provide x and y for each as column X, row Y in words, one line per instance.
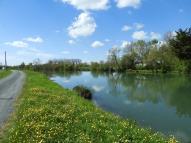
column 10, row 88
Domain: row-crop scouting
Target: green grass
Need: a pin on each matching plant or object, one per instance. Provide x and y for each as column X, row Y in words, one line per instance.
column 48, row 113
column 4, row 73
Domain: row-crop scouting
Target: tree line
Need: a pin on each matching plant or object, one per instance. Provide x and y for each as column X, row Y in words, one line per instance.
column 172, row 54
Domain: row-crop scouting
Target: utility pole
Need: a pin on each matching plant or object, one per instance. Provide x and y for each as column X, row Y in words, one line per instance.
column 5, row 60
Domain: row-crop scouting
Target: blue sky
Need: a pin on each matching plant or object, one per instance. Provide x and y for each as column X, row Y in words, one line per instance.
column 85, row 29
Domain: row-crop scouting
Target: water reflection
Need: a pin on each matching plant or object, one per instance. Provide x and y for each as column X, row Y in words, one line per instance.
column 175, row 91
column 65, row 74
column 162, row 102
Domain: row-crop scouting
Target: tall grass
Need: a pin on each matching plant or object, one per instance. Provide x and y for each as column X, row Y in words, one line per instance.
column 4, row 73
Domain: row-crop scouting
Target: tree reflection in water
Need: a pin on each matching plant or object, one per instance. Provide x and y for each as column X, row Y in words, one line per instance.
column 174, row 90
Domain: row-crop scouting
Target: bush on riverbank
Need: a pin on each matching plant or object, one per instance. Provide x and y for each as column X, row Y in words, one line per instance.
column 83, row 92
column 48, row 113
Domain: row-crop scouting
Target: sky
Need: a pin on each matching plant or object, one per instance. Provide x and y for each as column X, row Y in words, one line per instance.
column 83, row 29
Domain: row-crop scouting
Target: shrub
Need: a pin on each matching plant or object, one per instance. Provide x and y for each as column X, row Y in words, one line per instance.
column 83, row 92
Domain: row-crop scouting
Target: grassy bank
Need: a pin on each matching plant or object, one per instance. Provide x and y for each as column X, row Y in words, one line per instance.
column 4, row 73
column 48, row 113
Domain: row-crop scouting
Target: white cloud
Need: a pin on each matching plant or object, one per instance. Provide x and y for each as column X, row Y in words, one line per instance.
column 107, row 53
column 97, row 44
column 65, row 52
column 139, row 35
column 85, row 52
column 139, row 26
column 97, row 88
column 88, row 4
column 84, row 25
column 57, row 31
column 160, row 43
column 155, row 35
column 43, row 55
column 124, row 44
column 23, row 43
column 18, row 44
column 71, row 42
column 126, row 28
column 107, row 40
column 66, row 81
column 27, row 55
column 173, row 34
column 128, row 3
column 34, row 39
column 33, row 53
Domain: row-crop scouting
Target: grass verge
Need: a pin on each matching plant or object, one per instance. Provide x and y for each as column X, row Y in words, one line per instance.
column 48, row 113
column 4, row 73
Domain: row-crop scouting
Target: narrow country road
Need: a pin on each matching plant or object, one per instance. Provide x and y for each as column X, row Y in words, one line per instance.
column 10, row 88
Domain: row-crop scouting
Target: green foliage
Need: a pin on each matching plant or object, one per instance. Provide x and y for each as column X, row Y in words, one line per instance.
column 62, row 65
column 83, row 91
column 48, row 113
column 95, row 66
column 128, row 61
column 172, row 55
column 101, row 66
column 113, row 58
column 4, row 73
column 22, row 66
column 181, row 44
column 54, row 65
column 152, row 59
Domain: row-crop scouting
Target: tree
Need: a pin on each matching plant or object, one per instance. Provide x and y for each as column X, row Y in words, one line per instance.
column 128, row 61
column 168, row 59
column 36, row 64
column 94, row 66
column 22, row 66
column 152, row 59
column 141, row 50
column 181, row 44
column 113, row 58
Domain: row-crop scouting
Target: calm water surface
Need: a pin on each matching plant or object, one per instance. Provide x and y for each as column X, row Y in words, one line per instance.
column 162, row 102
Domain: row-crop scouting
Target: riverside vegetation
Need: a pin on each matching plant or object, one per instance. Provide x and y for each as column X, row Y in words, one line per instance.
column 83, row 92
column 173, row 54
column 4, row 73
column 48, row 113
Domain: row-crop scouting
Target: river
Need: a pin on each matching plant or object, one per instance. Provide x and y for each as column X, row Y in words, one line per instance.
column 161, row 102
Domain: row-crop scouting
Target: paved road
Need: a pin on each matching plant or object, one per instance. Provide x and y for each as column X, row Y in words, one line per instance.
column 10, row 88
